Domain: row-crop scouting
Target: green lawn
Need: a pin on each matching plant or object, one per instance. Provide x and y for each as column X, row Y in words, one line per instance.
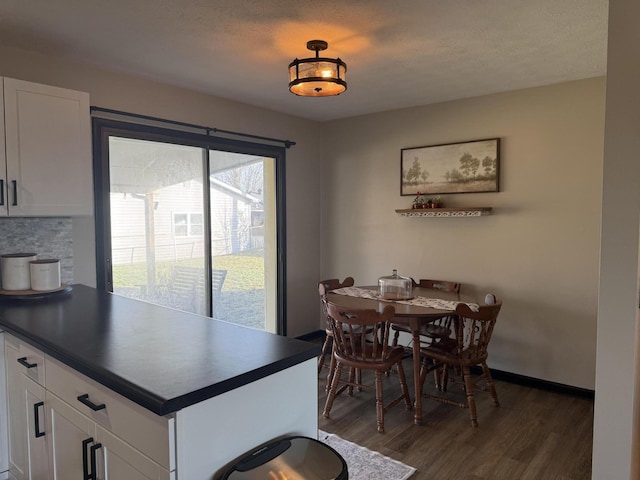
column 245, row 271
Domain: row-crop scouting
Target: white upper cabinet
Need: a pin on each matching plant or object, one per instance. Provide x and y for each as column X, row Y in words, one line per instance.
column 47, row 151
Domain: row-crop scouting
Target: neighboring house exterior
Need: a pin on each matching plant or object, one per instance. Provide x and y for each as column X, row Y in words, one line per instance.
column 178, row 222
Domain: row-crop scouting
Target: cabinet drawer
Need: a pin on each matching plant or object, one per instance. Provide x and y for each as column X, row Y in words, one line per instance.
column 30, row 360
column 149, row 433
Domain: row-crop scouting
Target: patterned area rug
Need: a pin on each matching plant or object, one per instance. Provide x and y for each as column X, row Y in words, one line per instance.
column 365, row 464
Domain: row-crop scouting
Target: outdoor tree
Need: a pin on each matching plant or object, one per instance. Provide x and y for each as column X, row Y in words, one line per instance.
column 247, row 178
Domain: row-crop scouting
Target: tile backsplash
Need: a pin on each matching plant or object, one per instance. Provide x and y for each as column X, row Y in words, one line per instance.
column 47, row 237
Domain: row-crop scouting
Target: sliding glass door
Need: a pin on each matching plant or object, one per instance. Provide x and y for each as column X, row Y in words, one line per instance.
column 243, row 238
column 190, row 223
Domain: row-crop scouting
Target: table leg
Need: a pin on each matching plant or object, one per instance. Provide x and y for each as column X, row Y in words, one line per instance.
column 417, row 386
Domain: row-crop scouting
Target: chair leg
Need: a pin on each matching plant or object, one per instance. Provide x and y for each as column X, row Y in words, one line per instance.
column 352, row 379
column 489, row 380
column 403, row 387
column 325, row 349
column 445, row 378
column 396, row 335
column 424, row 371
column 471, row 401
column 379, row 404
column 437, row 378
column 332, row 371
column 332, row 391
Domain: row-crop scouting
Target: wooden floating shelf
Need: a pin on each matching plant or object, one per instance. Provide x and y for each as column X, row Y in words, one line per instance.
column 446, row 212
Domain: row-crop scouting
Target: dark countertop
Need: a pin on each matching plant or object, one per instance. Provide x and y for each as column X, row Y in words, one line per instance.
column 160, row 358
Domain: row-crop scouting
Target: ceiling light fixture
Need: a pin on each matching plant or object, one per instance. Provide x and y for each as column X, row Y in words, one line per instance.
column 317, row 76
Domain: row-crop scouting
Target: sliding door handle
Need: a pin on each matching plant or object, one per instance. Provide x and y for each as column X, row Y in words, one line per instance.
column 15, row 192
column 2, row 192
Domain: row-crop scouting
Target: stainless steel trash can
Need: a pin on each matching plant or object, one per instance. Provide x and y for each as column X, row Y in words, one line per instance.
column 291, row 458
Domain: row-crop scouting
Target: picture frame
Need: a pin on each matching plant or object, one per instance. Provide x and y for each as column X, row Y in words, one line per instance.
column 462, row 167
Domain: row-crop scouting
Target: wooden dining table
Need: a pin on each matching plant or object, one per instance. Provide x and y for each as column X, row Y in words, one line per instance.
column 416, row 316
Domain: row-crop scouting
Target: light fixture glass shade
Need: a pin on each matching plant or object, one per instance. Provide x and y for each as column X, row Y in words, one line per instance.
column 317, row 77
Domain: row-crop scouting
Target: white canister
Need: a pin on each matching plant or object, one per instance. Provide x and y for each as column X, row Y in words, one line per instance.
column 45, row 274
column 15, row 270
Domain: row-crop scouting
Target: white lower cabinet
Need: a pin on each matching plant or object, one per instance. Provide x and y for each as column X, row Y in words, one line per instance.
column 120, row 460
column 25, row 404
column 17, row 413
column 82, row 449
column 65, row 426
column 74, row 428
column 37, row 449
column 71, row 435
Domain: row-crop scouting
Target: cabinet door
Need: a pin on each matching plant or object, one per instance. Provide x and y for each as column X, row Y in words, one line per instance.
column 120, row 460
column 71, row 437
column 48, row 150
column 17, row 411
column 28, row 451
column 37, row 464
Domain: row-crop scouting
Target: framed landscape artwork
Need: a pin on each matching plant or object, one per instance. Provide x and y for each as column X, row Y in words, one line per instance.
column 466, row 167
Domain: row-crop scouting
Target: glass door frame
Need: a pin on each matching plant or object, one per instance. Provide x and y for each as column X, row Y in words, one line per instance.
column 104, row 128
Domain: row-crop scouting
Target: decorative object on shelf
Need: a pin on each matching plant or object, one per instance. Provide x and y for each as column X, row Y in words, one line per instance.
column 446, row 212
column 467, row 167
column 395, row 287
column 317, row 76
column 420, row 202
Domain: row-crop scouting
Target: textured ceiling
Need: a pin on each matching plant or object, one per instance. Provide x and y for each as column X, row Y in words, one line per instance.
column 399, row 53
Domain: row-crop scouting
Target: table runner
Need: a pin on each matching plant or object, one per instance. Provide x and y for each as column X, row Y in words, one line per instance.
column 417, row 301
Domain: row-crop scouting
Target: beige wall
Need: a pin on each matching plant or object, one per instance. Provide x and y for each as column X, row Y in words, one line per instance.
column 546, row 216
column 615, row 454
column 538, row 251
column 144, row 96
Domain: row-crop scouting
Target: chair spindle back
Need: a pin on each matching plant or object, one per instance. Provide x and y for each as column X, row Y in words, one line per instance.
column 360, row 335
column 475, row 328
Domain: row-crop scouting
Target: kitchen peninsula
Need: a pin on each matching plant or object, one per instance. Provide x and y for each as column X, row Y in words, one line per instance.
column 167, row 394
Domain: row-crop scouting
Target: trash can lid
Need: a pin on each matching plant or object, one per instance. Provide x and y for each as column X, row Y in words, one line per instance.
column 291, row 458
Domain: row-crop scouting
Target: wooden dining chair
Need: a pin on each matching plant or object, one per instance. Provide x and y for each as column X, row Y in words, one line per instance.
column 432, row 331
column 324, row 287
column 361, row 341
column 473, row 332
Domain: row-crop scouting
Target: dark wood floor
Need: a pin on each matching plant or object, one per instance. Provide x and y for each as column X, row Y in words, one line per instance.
column 534, row 434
